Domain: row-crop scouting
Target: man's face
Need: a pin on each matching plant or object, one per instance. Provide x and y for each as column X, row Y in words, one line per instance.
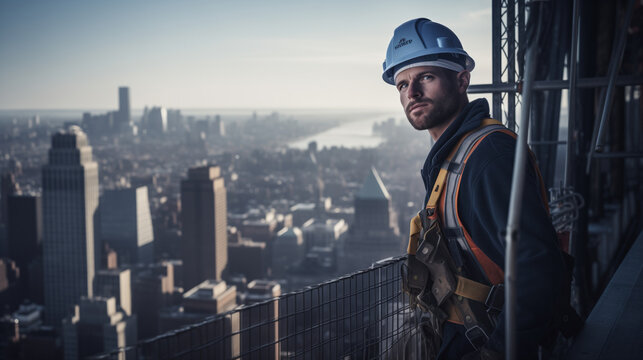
column 430, row 95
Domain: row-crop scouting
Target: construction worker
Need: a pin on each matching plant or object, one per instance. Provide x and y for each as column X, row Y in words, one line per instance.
column 431, row 71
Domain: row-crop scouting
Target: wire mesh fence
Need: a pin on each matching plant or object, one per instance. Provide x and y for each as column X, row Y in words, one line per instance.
column 364, row 315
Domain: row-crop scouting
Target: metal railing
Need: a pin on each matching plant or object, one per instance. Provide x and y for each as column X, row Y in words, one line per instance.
column 364, row 315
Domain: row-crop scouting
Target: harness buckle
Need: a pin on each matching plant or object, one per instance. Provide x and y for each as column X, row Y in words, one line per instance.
column 496, row 297
column 476, row 336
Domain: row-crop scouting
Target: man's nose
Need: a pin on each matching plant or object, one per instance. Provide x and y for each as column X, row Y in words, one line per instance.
column 415, row 91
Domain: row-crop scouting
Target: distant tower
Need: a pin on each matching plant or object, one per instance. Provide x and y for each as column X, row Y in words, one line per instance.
column 287, row 251
column 126, row 224
column 69, row 201
column 97, row 326
column 204, row 219
column 124, row 109
column 8, row 186
column 157, row 121
column 373, row 213
column 374, row 234
column 152, row 289
column 202, row 301
column 115, row 283
column 261, row 321
column 25, row 242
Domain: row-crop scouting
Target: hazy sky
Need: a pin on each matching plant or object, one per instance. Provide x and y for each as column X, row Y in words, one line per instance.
column 63, row 54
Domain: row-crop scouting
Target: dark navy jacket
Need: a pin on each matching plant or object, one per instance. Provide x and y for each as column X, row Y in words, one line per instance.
column 483, row 206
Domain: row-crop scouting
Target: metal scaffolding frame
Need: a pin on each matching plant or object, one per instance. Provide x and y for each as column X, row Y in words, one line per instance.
column 507, row 80
column 618, row 50
column 508, row 40
column 508, row 17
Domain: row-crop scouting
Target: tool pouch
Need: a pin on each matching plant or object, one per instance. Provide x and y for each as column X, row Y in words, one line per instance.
column 434, row 254
column 415, row 283
column 415, row 279
column 414, row 276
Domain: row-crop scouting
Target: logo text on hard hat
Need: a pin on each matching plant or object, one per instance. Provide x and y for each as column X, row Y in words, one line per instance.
column 403, row 42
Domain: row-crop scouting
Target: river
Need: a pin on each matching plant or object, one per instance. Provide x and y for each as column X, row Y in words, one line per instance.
column 353, row 134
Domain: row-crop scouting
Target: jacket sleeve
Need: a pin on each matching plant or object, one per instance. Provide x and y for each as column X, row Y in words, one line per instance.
column 484, row 200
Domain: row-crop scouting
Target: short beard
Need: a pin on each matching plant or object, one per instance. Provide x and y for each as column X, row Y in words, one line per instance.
column 441, row 112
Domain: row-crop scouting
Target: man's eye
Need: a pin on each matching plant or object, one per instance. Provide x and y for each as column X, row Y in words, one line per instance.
column 427, row 77
column 402, row 86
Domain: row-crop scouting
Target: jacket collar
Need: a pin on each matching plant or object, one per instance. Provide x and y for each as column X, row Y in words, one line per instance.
column 469, row 119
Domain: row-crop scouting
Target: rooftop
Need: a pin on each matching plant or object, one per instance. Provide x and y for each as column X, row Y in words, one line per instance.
column 373, row 187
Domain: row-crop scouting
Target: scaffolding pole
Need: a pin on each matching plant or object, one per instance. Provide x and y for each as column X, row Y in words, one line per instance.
column 571, row 123
column 614, row 66
column 513, row 221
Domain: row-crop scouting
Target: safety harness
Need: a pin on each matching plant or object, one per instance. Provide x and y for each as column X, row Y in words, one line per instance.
column 435, row 276
column 435, row 262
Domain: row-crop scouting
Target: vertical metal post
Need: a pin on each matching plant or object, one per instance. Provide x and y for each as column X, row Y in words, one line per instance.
column 571, row 106
column 615, row 64
column 521, row 33
column 513, row 221
column 511, row 63
column 496, row 56
column 570, row 156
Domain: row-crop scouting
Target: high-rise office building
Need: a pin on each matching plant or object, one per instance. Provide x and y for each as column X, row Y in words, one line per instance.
column 124, row 109
column 126, row 224
column 115, row 283
column 373, row 212
column 287, row 251
column 260, row 323
column 25, row 242
column 157, row 121
column 204, row 300
column 97, row 326
column 69, row 205
column 152, row 289
column 10, row 292
column 249, row 258
column 374, row 234
column 8, row 186
column 204, row 219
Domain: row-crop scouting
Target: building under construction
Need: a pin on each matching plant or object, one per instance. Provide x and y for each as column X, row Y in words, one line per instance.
column 567, row 78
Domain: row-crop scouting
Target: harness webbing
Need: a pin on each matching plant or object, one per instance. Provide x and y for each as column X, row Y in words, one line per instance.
column 466, row 288
column 456, row 233
column 438, row 187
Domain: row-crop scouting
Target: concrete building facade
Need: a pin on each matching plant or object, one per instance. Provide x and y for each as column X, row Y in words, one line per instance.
column 126, row 224
column 96, row 327
column 204, row 219
column 70, row 201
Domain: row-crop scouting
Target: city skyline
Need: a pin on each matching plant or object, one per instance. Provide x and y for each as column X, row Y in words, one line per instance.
column 197, row 54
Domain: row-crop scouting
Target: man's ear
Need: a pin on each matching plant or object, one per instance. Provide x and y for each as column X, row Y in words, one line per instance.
column 463, row 78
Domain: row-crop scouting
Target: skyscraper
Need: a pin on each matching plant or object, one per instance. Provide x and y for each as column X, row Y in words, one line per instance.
column 115, row 283
column 25, row 228
column 97, row 326
column 25, row 242
column 157, row 121
column 69, row 201
column 8, row 186
column 260, row 323
column 373, row 235
column 204, row 219
column 126, row 224
column 124, row 110
column 373, row 213
column 152, row 289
